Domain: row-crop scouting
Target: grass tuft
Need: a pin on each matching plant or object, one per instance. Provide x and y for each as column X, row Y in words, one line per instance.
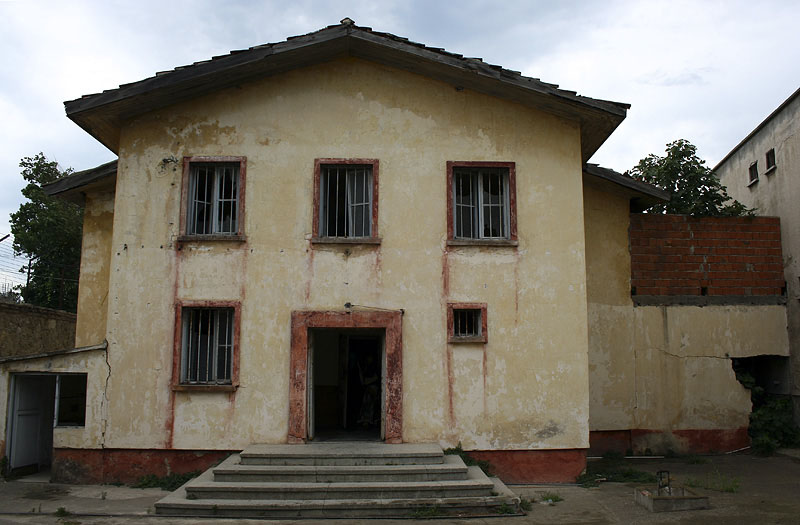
column 169, row 482
column 715, row 481
column 612, row 468
column 468, row 460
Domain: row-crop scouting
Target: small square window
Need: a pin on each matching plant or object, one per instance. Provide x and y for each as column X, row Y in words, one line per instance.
column 213, row 197
column 466, row 323
column 753, row 172
column 346, row 197
column 208, row 345
column 481, row 202
column 770, row 159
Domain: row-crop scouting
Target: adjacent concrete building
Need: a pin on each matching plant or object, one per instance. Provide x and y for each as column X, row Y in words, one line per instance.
column 350, row 235
column 763, row 172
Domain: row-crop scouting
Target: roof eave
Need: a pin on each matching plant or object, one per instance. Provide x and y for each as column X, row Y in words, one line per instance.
column 73, row 187
column 642, row 195
column 103, row 114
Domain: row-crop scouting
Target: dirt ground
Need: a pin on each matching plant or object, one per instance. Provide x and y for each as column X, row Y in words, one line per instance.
column 767, row 491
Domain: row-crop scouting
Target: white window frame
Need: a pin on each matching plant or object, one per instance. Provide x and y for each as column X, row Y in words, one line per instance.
column 477, row 210
column 352, row 200
column 220, row 176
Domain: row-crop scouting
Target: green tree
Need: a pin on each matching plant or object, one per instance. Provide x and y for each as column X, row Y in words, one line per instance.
column 48, row 231
column 694, row 188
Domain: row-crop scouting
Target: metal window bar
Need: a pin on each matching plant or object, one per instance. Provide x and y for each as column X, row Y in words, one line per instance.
column 346, row 201
column 465, row 205
column 214, row 199
column 207, row 351
column 481, row 209
column 466, row 323
column 494, row 218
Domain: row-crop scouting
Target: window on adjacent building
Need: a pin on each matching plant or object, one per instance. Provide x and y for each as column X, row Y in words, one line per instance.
column 466, row 323
column 482, row 201
column 214, row 196
column 207, row 347
column 753, row 172
column 770, row 160
column 346, row 191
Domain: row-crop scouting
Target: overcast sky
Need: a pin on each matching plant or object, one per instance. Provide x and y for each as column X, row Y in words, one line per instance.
column 708, row 71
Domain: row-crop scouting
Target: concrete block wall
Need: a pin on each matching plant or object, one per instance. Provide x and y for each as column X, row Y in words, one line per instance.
column 715, row 256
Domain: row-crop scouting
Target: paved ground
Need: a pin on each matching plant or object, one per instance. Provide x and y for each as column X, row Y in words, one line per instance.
column 768, row 492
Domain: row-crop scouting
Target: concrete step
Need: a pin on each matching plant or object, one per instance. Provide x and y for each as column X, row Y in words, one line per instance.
column 343, row 453
column 452, row 468
column 341, row 480
column 502, row 501
column 476, row 484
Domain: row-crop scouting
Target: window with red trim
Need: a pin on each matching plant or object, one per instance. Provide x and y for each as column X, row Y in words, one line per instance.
column 345, row 200
column 481, row 202
column 206, row 345
column 466, row 323
column 212, row 204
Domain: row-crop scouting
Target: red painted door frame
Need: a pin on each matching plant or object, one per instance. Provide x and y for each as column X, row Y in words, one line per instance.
column 390, row 321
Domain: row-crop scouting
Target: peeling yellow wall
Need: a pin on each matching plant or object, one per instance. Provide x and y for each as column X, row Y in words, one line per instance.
column 98, row 218
column 526, row 388
column 663, row 367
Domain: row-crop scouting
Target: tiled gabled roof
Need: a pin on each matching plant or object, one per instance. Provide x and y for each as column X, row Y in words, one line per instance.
column 102, row 114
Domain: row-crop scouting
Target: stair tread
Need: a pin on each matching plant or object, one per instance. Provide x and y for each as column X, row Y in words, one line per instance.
column 311, row 503
column 450, row 464
column 390, row 498
column 344, row 450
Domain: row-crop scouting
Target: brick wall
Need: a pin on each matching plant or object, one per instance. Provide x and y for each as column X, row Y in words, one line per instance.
column 684, row 255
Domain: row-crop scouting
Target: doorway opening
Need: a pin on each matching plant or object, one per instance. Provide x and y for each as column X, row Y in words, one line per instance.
column 387, row 325
column 346, row 384
column 37, row 404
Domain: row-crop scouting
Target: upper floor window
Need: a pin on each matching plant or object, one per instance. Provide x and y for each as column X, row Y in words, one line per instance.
column 481, row 201
column 753, row 172
column 770, row 160
column 346, row 197
column 213, row 196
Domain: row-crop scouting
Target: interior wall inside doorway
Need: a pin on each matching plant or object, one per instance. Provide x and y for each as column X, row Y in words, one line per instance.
column 347, row 383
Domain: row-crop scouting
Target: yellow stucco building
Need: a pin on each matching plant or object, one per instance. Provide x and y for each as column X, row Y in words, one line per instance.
column 348, row 234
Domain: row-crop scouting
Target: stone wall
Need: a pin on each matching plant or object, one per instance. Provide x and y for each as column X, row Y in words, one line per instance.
column 30, row 330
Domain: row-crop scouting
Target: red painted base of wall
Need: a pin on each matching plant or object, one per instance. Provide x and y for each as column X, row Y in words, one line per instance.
column 602, row 441
column 534, row 466
column 86, row 466
column 689, row 441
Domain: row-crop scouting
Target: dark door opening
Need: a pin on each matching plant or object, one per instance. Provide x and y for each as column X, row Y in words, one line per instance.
column 37, row 404
column 346, row 377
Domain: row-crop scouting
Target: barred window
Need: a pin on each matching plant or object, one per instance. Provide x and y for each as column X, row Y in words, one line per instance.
column 466, row 323
column 345, row 201
column 207, row 346
column 213, row 199
column 481, row 204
